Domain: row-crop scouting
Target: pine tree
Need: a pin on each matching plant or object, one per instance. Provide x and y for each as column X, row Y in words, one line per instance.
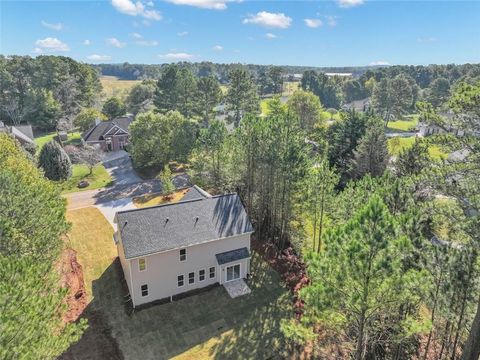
column 166, row 179
column 55, row 162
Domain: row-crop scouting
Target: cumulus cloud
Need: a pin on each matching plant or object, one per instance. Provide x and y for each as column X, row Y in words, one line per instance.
column 96, row 57
column 131, row 8
column 270, row 20
column 218, row 48
column 204, row 4
column 115, row 43
column 313, row 23
column 50, row 44
column 349, row 3
column 177, row 56
column 137, row 36
column 57, row 26
column 379, row 63
column 270, row 36
column 86, row 42
column 183, row 33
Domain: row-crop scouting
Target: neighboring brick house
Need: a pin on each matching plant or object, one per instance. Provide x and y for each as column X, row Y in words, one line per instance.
column 177, row 248
column 110, row 135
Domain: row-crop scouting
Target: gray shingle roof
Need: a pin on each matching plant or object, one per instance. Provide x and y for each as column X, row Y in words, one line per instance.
column 233, row 255
column 195, row 192
column 182, row 224
column 97, row 131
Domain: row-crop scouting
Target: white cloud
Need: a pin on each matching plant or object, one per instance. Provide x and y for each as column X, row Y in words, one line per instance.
column 150, row 3
column 178, row 56
column 115, row 43
column 270, row 36
column 147, row 42
column 128, row 7
column 349, row 3
column 86, row 42
column 379, row 63
column 96, row 57
column 217, row 48
column 204, row 4
column 57, row 26
column 313, row 23
column 271, row 20
column 430, row 39
column 137, row 36
column 183, row 33
column 50, row 45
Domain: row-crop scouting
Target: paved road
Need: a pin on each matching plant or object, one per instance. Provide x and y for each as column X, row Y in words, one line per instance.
column 126, row 184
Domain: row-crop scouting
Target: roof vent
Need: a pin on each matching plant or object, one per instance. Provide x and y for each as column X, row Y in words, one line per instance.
column 124, row 224
column 166, row 220
column 196, row 219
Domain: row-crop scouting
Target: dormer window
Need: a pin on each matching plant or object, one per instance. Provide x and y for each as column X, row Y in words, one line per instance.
column 183, row 254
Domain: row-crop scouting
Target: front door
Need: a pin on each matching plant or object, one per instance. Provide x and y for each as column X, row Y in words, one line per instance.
column 233, row 272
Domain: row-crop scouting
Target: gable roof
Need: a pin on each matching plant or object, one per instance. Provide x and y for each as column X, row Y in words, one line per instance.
column 166, row 227
column 104, row 127
column 195, row 192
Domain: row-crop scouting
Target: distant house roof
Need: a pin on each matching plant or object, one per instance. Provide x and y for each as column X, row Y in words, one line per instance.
column 166, row 227
column 233, row 255
column 358, row 105
column 23, row 133
column 98, row 131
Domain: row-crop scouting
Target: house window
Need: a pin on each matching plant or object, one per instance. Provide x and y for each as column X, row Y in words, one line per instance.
column 191, row 278
column 183, row 254
column 180, row 280
column 212, row 272
column 201, row 275
column 144, row 289
column 142, row 264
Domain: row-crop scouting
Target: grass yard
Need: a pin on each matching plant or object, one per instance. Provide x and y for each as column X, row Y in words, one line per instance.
column 91, row 236
column 398, row 144
column 98, row 179
column 113, row 86
column 157, row 199
column 206, row 325
column 73, row 139
column 402, row 125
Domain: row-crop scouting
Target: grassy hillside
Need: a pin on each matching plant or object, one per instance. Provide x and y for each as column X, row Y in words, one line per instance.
column 113, row 86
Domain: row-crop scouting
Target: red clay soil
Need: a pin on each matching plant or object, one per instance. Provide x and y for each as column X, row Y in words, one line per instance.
column 72, row 278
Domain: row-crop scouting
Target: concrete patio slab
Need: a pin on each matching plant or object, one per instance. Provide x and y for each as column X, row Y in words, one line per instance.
column 237, row 288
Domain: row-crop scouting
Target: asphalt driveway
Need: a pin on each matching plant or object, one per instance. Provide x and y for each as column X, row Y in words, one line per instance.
column 119, row 166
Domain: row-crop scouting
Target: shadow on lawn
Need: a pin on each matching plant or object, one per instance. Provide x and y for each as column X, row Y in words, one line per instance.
column 247, row 327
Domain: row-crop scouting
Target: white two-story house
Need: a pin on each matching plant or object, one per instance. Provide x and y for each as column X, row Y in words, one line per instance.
column 175, row 248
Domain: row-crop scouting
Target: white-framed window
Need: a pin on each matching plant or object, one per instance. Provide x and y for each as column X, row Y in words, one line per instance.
column 180, row 281
column 191, row 278
column 212, row 272
column 144, row 289
column 142, row 264
column 183, row 254
column 201, row 275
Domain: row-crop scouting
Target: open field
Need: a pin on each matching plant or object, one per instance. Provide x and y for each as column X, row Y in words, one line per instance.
column 206, row 325
column 113, row 86
column 398, row 144
column 403, row 125
column 98, row 179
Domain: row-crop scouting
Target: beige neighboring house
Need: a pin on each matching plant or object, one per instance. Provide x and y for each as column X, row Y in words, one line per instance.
column 172, row 249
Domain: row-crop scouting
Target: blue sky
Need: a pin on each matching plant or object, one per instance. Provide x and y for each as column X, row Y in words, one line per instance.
column 317, row 33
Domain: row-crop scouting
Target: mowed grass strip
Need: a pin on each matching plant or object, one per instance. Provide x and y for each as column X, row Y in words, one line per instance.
column 397, row 144
column 91, row 237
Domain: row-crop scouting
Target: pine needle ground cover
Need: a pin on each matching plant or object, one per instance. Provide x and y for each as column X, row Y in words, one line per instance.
column 206, row 325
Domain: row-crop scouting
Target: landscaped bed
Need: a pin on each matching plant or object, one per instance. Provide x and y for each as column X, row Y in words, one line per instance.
column 206, row 325
column 157, row 199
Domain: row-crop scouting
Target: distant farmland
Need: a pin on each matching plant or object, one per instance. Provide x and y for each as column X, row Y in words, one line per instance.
column 113, row 86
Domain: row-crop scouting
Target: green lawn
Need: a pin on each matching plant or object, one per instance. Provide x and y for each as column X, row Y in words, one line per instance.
column 73, row 139
column 398, row 144
column 206, row 325
column 98, row 179
column 264, row 106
